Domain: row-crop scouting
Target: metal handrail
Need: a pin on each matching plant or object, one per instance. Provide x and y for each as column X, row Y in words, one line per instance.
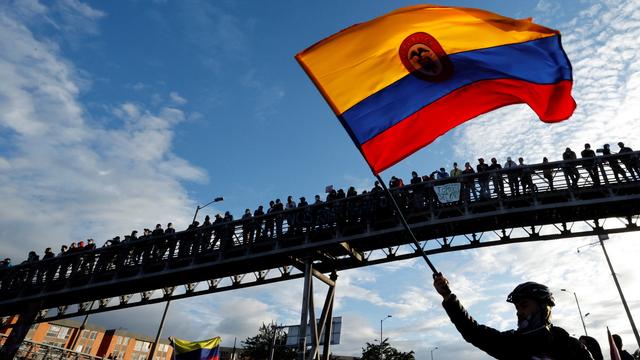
column 363, row 209
column 33, row 350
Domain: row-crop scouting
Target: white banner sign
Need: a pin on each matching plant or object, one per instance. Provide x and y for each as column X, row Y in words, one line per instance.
column 293, row 332
column 448, row 192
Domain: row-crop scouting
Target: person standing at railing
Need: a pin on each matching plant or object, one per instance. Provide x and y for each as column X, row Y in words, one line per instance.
column 257, row 223
column 5, row 280
column 483, row 179
column 468, row 183
column 525, row 177
column 229, row 231
column 269, row 221
column 204, row 237
column 547, row 173
column 152, row 251
column 570, row 170
column 496, row 177
column 49, row 269
column 417, row 192
column 247, row 227
column 278, row 208
column 291, row 216
column 376, row 187
column 304, row 217
column 217, row 231
column 512, row 175
column 613, row 164
column 440, row 174
column 171, row 240
column 415, row 179
column 590, row 164
column 455, row 171
column 89, row 257
column 630, row 161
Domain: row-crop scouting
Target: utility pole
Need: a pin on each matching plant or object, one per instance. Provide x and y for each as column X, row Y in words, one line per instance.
column 602, row 237
column 432, row 350
column 204, row 206
column 579, row 311
column 381, row 354
column 155, row 343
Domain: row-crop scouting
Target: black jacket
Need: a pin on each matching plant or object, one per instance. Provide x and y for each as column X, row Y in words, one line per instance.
column 553, row 342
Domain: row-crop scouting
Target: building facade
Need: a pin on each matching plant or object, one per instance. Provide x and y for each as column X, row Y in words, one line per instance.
column 90, row 340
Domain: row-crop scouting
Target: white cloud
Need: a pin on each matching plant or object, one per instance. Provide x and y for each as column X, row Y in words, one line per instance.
column 605, row 88
column 66, row 177
column 176, row 98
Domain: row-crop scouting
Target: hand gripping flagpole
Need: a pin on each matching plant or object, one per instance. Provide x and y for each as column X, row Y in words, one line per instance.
column 406, row 225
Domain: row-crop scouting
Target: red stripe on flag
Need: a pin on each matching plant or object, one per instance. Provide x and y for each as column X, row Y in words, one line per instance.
column 613, row 349
column 552, row 103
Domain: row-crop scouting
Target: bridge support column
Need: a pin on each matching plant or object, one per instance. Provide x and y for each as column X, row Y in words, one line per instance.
column 19, row 332
column 308, row 316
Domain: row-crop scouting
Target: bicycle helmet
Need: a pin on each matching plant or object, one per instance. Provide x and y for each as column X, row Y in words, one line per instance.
column 531, row 290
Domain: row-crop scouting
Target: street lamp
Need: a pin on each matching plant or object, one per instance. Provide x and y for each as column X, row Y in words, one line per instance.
column 601, row 238
column 579, row 311
column 385, row 318
column 204, row 206
column 432, row 350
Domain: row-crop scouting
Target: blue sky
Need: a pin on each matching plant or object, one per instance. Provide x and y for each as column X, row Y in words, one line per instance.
column 118, row 115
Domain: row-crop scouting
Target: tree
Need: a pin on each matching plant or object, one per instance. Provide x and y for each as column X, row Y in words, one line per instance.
column 259, row 347
column 372, row 352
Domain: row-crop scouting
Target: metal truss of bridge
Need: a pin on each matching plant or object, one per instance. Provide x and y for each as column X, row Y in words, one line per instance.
column 554, row 200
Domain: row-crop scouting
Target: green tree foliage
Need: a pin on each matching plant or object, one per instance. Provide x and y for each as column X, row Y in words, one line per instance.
column 373, row 352
column 259, row 347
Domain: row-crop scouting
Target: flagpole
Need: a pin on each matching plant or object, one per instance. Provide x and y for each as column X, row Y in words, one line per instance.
column 405, row 224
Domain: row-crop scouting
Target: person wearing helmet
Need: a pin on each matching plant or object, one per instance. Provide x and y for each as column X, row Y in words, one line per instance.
column 535, row 337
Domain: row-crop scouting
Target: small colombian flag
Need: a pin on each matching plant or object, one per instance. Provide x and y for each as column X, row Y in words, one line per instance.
column 196, row 350
column 399, row 81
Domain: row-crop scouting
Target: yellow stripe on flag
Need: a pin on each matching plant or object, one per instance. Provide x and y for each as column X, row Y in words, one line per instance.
column 363, row 59
column 183, row 346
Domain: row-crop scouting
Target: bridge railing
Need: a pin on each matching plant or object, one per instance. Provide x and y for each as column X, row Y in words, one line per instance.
column 510, row 187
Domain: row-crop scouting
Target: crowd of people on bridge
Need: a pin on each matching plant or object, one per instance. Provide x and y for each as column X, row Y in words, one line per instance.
column 488, row 180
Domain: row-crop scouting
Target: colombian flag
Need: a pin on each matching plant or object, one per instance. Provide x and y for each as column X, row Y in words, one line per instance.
column 196, row 350
column 399, row 81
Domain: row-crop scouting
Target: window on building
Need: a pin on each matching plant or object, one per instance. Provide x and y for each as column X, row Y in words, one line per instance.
column 93, row 335
column 138, row 345
column 84, row 334
column 142, row 346
column 64, row 332
column 53, row 331
column 79, row 348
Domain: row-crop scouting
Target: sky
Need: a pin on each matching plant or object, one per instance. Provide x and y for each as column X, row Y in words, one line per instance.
column 119, row 115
